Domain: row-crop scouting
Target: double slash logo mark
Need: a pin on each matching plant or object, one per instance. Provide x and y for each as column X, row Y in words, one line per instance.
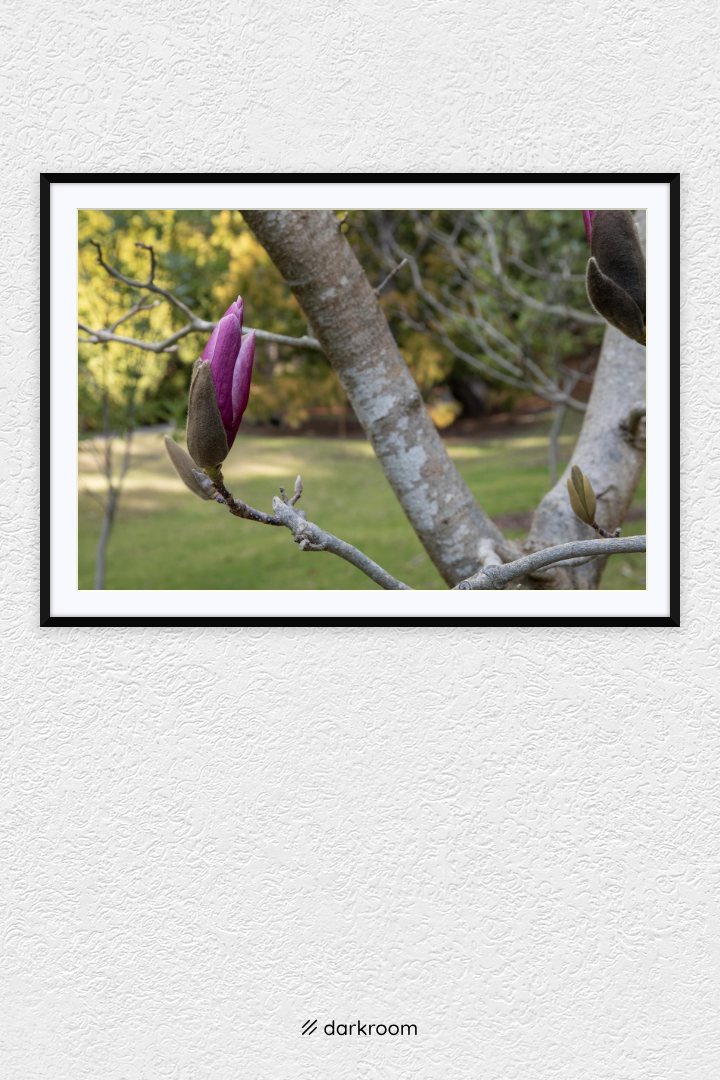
column 309, row 1026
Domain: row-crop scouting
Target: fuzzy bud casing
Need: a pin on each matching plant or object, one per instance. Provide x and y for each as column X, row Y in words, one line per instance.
column 615, row 276
column 206, row 437
column 184, row 467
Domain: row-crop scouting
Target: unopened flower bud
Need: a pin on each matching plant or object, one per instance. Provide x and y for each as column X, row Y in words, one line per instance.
column 231, row 356
column 615, row 276
column 219, row 390
column 206, row 437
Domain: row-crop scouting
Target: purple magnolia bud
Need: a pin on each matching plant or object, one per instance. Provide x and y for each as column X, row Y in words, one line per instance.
column 588, row 216
column 231, row 360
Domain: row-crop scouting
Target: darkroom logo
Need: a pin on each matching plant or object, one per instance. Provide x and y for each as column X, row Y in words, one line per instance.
column 358, row 1028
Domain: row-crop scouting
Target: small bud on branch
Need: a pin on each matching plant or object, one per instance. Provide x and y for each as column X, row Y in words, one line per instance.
column 582, row 496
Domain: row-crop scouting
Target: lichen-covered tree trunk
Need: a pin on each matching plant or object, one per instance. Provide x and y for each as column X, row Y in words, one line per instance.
column 320, row 267
column 613, row 464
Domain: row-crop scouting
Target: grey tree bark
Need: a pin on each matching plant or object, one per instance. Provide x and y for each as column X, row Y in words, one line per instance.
column 612, row 462
column 318, row 264
column 320, row 267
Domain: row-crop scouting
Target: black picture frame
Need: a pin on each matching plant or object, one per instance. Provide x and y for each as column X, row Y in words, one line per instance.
column 49, row 619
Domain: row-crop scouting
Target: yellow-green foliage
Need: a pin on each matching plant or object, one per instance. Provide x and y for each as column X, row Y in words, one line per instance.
column 207, row 259
column 111, row 367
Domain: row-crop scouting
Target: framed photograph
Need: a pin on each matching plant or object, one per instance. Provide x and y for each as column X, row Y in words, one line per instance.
column 272, row 400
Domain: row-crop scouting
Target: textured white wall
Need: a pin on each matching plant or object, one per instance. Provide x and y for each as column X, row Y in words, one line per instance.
column 508, row 837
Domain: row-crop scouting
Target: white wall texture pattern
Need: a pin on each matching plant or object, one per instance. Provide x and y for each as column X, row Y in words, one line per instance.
column 507, row 837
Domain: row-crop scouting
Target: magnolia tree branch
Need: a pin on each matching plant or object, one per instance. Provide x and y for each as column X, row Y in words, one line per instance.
column 494, row 574
column 517, row 294
column 320, row 267
column 544, row 275
column 215, row 489
column 497, row 577
column 307, row 535
column 169, row 344
column 390, row 276
column 460, row 315
column 310, row 537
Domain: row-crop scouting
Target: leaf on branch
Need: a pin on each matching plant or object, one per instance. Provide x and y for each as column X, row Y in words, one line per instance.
column 582, row 496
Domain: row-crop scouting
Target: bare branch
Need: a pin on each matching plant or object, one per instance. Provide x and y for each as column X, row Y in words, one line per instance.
column 497, row 577
column 310, row 537
column 195, row 325
column 169, row 345
column 305, row 342
column 151, row 249
column 390, row 276
column 523, row 373
column 494, row 573
column 135, row 310
column 544, row 275
column 555, row 394
column 530, row 301
column 236, row 506
column 148, row 285
column 604, row 533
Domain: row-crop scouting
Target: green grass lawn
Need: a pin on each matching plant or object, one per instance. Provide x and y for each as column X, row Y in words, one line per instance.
column 165, row 538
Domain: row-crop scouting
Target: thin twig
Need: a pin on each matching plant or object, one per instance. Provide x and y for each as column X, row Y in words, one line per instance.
column 215, row 487
column 604, row 533
column 544, row 275
column 524, row 298
column 523, row 372
column 132, row 312
column 169, row 345
column 196, row 325
column 390, row 276
column 151, row 249
column 310, row 537
column 497, row 577
column 148, row 285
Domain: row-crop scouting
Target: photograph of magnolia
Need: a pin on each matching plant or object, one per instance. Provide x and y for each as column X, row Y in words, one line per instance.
column 364, row 399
